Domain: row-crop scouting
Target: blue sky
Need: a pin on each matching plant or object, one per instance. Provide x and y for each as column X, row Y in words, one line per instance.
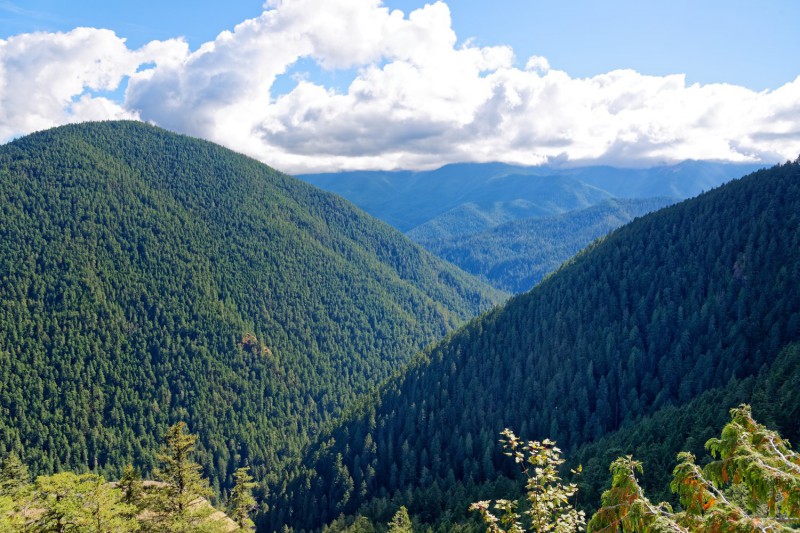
column 754, row 44
column 313, row 87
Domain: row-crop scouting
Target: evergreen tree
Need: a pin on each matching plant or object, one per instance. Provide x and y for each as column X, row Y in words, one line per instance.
column 179, row 503
column 241, row 501
column 401, row 523
column 753, row 486
column 15, row 495
column 85, row 503
column 132, row 489
column 14, row 476
column 103, row 508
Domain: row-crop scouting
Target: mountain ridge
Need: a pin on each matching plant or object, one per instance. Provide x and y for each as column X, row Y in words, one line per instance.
column 516, row 255
column 678, row 302
column 149, row 277
column 407, row 199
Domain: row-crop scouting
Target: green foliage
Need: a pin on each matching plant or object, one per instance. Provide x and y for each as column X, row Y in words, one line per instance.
column 750, row 456
column 174, row 504
column 87, row 503
column 690, row 299
column 546, row 506
column 14, row 476
column 15, row 494
column 355, row 524
column 132, row 488
column 401, row 522
column 756, row 456
column 517, row 255
column 148, row 277
column 656, row 440
column 241, row 501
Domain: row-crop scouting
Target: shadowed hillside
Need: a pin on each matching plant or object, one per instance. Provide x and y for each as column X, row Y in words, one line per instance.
column 674, row 304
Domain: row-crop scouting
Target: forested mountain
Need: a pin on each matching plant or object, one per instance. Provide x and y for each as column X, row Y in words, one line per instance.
column 406, row 199
column 472, row 197
column 148, row 278
column 682, row 180
column 515, row 256
column 774, row 393
column 506, row 198
column 672, row 305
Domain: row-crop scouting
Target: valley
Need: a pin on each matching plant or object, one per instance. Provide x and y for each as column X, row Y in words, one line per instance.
column 391, row 266
column 512, row 225
column 151, row 279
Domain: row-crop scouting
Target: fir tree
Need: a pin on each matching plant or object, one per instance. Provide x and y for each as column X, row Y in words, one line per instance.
column 401, row 523
column 179, row 504
column 754, row 486
column 241, row 500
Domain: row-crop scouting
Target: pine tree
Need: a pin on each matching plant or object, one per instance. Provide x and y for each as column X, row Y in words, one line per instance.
column 132, row 489
column 14, row 475
column 401, row 523
column 15, row 494
column 179, row 504
column 71, row 502
column 241, row 500
column 103, row 507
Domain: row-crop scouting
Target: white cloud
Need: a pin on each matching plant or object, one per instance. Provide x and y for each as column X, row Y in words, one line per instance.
column 538, row 63
column 419, row 98
column 47, row 79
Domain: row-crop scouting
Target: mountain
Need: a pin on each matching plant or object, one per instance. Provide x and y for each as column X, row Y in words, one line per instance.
column 516, row 255
column 150, row 278
column 679, row 302
column 509, row 198
column 407, row 199
column 682, row 180
column 656, row 440
column 476, row 196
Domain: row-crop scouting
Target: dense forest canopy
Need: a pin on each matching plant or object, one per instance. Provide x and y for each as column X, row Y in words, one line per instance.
column 685, row 300
column 517, row 255
column 148, row 278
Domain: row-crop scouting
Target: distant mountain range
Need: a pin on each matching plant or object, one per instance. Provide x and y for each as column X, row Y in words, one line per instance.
column 489, row 194
column 483, row 216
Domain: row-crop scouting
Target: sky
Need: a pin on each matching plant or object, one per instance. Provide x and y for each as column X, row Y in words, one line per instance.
column 326, row 85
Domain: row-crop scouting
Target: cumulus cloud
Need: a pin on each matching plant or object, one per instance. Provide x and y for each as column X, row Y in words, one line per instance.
column 419, row 98
column 47, row 79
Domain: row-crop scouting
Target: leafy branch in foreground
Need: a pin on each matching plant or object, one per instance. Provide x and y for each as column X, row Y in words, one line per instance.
column 70, row 502
column 754, row 486
column 547, row 507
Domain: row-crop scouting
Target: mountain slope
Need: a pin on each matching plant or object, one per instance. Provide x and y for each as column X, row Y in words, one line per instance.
column 676, row 303
column 149, row 277
column 774, row 394
column 507, row 198
column 683, row 180
column 407, row 199
column 515, row 256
